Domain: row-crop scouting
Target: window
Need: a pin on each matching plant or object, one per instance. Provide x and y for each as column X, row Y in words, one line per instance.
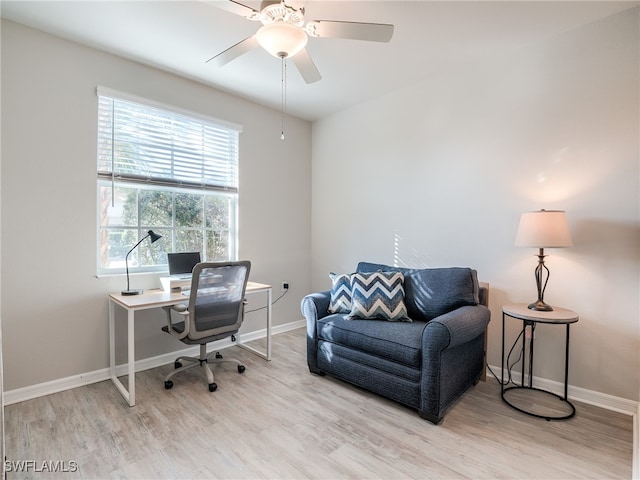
column 165, row 170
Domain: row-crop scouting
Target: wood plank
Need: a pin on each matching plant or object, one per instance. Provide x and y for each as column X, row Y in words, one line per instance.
column 278, row 421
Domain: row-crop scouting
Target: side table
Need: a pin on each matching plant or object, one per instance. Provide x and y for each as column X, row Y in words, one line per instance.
column 558, row 316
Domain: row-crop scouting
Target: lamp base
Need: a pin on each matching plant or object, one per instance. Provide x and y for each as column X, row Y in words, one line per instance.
column 131, row 292
column 540, row 306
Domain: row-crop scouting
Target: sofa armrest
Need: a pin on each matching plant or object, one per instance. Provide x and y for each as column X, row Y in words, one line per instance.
column 456, row 327
column 316, row 305
column 453, row 357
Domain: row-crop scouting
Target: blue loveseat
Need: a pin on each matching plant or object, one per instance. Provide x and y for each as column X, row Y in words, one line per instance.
column 426, row 362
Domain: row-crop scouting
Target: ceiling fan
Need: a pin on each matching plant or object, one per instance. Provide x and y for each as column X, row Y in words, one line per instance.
column 284, row 34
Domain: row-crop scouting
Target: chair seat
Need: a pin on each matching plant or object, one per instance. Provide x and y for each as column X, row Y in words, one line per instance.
column 179, row 327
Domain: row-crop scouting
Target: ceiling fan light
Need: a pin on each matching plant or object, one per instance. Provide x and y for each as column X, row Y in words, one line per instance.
column 281, row 39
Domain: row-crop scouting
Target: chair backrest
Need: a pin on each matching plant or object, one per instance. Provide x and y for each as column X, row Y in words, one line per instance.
column 216, row 301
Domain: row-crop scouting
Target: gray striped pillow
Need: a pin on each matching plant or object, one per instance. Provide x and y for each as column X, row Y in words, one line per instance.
column 340, row 301
column 378, row 295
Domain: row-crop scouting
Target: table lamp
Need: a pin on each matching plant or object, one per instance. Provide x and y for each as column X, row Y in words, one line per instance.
column 154, row 238
column 543, row 229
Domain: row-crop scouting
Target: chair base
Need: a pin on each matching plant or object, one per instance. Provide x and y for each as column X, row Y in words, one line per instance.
column 204, row 360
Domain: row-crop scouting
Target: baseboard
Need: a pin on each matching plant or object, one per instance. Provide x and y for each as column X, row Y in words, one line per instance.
column 591, row 397
column 59, row 385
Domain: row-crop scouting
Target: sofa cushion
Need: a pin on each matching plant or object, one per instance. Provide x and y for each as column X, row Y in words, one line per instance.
column 333, row 352
column 431, row 292
column 378, row 295
column 340, row 293
column 396, row 341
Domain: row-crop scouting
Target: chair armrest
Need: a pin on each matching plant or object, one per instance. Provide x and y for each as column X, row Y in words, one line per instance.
column 181, row 310
column 456, row 327
column 316, row 305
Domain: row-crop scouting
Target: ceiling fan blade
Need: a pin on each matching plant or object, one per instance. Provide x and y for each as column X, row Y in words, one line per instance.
column 373, row 32
column 306, row 67
column 234, row 51
column 237, row 8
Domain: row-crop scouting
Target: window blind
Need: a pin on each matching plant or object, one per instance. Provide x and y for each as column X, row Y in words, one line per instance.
column 144, row 143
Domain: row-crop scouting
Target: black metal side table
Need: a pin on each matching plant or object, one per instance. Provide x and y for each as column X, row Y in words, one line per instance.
column 559, row 316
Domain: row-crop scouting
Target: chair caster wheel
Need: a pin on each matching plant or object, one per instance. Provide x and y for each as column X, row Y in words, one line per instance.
column 218, row 355
column 241, row 369
column 177, row 364
column 213, row 387
column 168, row 384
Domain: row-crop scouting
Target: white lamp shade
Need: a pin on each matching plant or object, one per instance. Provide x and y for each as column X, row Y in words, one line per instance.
column 543, row 229
column 281, row 39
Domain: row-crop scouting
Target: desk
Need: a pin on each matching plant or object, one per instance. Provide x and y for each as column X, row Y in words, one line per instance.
column 559, row 316
column 155, row 299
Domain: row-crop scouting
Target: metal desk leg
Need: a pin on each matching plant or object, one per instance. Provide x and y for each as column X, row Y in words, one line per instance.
column 266, row 355
column 112, row 341
column 131, row 358
column 269, row 325
column 130, row 395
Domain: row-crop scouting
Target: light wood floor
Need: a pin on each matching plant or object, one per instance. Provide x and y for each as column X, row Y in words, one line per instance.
column 277, row 421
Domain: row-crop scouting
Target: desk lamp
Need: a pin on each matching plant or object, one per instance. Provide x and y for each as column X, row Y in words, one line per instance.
column 543, row 229
column 154, row 238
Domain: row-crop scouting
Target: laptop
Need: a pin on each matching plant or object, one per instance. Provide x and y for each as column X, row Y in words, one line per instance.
column 181, row 264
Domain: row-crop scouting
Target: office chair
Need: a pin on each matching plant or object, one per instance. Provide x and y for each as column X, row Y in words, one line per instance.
column 215, row 311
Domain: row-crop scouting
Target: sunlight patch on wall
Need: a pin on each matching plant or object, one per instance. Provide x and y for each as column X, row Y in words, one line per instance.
column 406, row 256
column 560, row 175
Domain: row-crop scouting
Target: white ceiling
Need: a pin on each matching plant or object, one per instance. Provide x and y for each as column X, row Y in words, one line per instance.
column 429, row 37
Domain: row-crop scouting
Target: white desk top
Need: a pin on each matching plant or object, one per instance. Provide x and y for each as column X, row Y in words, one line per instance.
column 158, row 297
column 257, row 287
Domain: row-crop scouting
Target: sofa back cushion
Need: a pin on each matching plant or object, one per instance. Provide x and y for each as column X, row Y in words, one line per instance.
column 431, row 292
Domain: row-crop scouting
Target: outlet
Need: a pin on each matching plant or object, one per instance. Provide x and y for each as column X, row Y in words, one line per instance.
column 285, row 286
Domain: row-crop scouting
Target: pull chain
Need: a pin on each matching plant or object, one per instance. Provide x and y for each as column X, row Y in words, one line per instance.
column 283, row 105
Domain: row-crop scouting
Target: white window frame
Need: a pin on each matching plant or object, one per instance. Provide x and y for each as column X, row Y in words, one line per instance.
column 218, row 182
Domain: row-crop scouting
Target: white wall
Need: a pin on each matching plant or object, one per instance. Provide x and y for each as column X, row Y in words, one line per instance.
column 54, row 309
column 438, row 174
column 2, row 442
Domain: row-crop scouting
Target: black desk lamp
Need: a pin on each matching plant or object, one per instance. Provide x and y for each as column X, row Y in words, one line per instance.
column 154, row 237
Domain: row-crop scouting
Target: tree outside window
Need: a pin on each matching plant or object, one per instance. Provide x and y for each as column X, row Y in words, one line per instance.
column 167, row 172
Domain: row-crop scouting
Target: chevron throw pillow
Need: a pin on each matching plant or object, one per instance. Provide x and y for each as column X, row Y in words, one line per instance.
column 340, row 301
column 378, row 295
